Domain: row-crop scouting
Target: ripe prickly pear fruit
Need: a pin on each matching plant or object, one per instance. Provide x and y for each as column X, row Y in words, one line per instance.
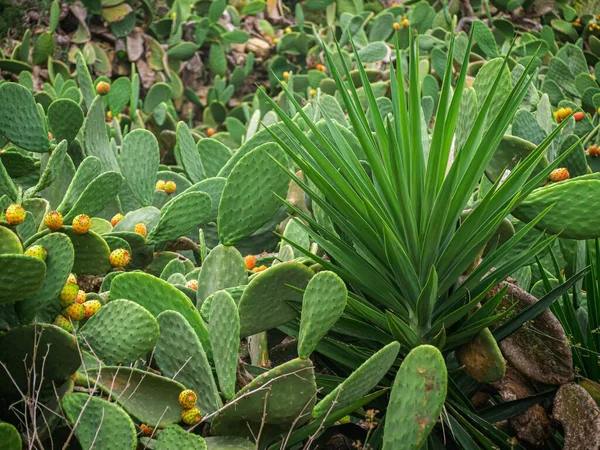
column 188, row 399
column 116, row 219
column 53, row 220
column 191, row 416
column 91, row 307
column 68, row 294
column 250, row 261
column 140, row 228
column 102, row 88
column 192, row 284
column 210, row 132
column 560, row 174
column 259, row 269
column 62, row 322
column 15, row 214
column 593, row 151
column 82, row 224
column 146, row 430
column 119, row 257
column 72, row 278
column 37, row 251
column 170, row 187
column 579, row 115
column 80, row 296
column 75, row 312
column 160, row 185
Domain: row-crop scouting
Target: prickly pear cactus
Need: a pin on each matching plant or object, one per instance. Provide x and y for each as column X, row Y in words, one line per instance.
column 482, row 358
column 417, row 398
column 120, row 332
column 283, row 392
column 149, row 398
column 10, row 437
column 20, row 277
column 102, row 425
column 223, row 268
column 174, row 438
column 180, row 354
column 323, row 303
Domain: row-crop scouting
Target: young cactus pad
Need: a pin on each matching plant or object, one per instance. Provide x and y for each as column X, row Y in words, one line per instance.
column 417, row 398
column 223, row 268
column 323, row 303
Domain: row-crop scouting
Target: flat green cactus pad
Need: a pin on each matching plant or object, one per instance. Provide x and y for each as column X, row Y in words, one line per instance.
column 96, row 196
column 10, row 437
column 86, row 172
column 180, row 215
column 574, row 214
column 20, row 277
column 95, row 137
column 360, row 382
column 482, row 358
column 289, row 389
column 188, row 152
column 223, row 268
column 176, row 438
column 65, row 118
column 510, row 151
column 103, row 425
column 59, row 264
column 228, row 443
column 417, row 398
column 323, row 303
column 9, row 242
column 17, row 345
column 264, row 303
column 148, row 215
column 180, row 354
column 91, row 252
column 147, row 397
column 213, row 187
column 20, row 119
column 214, row 156
column 156, row 296
column 249, row 199
column 225, row 340
column 139, row 162
column 120, row 332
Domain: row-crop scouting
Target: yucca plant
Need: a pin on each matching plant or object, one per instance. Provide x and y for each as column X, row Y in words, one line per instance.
column 392, row 228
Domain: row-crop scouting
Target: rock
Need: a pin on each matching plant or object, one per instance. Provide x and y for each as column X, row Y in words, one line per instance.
column 539, row 349
column 579, row 415
column 533, row 425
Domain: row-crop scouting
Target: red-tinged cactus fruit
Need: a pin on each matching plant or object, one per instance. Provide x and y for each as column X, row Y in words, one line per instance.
column 210, row 132
column 191, row 416
column 50, row 136
column 82, row 224
column 192, row 284
column 68, row 294
column 72, row 278
column 160, row 185
column 320, row 67
column 37, row 251
column 396, row 26
column 578, row 116
column 62, row 322
column 593, row 151
column 116, row 219
column 102, row 88
column 53, row 220
column 188, row 399
column 259, row 269
column 170, row 187
column 75, row 312
column 91, row 307
column 250, row 261
column 15, row 214
column 146, row 430
column 140, row 228
column 119, row 257
column 80, row 296
column 560, row 174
